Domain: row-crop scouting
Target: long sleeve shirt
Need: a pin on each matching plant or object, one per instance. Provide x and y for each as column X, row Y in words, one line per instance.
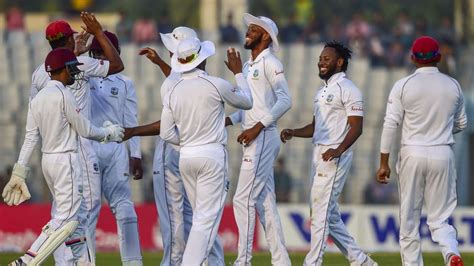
column 193, row 109
column 56, row 118
column 271, row 97
column 429, row 105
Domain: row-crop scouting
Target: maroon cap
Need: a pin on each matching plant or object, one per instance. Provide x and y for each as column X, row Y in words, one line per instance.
column 58, row 29
column 425, row 50
column 112, row 37
column 60, row 58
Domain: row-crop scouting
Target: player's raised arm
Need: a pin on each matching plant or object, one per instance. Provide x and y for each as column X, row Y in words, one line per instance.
column 93, row 27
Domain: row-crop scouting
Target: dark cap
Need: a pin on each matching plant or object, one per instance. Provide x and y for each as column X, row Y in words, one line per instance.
column 112, row 37
column 60, row 58
column 58, row 29
column 425, row 50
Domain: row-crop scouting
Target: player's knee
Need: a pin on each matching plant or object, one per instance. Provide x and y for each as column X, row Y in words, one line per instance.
column 124, row 210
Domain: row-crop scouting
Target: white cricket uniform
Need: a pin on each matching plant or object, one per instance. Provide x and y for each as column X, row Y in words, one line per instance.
column 54, row 115
column 114, row 99
column 194, row 107
column 89, row 163
column 174, row 209
column 333, row 103
column 429, row 106
column 256, row 186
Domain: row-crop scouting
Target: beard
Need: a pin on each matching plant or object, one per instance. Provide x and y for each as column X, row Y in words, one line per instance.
column 253, row 43
column 331, row 71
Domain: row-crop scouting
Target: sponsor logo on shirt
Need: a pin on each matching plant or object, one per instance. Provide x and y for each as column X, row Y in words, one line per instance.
column 92, row 88
column 78, row 110
column 255, row 74
column 357, row 109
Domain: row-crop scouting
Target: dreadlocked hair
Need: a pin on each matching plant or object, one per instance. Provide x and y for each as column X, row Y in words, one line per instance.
column 342, row 52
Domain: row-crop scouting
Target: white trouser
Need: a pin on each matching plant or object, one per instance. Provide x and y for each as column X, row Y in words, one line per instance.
column 115, row 186
column 256, row 193
column 204, row 173
column 62, row 172
column 426, row 175
column 328, row 180
column 174, row 210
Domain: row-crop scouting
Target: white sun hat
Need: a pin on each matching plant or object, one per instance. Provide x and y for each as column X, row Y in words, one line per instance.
column 171, row 40
column 190, row 53
column 267, row 24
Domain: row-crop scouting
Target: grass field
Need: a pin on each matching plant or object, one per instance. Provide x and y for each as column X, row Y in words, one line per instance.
column 331, row 259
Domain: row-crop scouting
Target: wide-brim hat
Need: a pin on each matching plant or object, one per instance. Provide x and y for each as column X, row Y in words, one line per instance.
column 267, row 24
column 190, row 53
column 172, row 39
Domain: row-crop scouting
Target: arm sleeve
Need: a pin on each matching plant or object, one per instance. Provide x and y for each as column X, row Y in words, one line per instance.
column 275, row 75
column 31, row 138
column 168, row 130
column 460, row 118
column 78, row 122
column 393, row 118
column 353, row 102
column 94, row 67
column 237, row 117
column 239, row 96
column 131, row 119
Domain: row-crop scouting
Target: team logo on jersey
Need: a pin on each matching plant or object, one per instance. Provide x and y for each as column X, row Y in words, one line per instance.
column 255, row 74
column 114, row 91
column 329, row 98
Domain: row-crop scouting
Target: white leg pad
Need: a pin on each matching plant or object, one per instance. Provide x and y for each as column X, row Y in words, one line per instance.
column 56, row 238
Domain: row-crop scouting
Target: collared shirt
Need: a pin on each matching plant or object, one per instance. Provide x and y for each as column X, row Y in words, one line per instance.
column 334, row 102
column 55, row 116
column 81, row 89
column 430, row 107
column 193, row 109
column 271, row 97
column 114, row 99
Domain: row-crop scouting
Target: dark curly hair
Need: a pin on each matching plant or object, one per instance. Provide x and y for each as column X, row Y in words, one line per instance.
column 342, row 52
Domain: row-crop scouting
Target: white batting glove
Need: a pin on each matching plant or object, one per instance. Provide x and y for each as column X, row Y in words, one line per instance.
column 16, row 191
column 114, row 132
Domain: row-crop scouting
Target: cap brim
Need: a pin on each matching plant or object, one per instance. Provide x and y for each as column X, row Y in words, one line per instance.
column 207, row 50
column 169, row 42
column 250, row 19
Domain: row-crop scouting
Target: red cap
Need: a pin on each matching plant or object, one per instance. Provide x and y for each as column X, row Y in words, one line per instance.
column 112, row 37
column 60, row 58
column 425, row 50
column 58, row 29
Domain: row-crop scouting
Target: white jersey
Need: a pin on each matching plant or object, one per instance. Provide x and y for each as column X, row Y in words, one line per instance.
column 200, row 122
column 91, row 67
column 430, row 107
column 271, row 97
column 334, row 102
column 114, row 99
column 55, row 116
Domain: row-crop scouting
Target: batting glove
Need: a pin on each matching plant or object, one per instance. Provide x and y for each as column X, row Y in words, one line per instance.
column 114, row 132
column 16, row 191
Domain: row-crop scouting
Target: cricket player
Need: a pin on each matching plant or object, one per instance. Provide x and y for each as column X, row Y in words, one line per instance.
column 200, row 120
column 336, row 125
column 114, row 99
column 60, row 34
column 55, row 117
column 174, row 209
column 256, row 187
column 429, row 106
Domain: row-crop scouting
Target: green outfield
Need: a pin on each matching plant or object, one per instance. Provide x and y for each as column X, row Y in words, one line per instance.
column 430, row 259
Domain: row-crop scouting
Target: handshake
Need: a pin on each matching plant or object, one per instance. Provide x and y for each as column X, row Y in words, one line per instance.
column 113, row 132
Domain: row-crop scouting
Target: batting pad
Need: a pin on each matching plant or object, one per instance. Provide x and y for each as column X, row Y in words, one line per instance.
column 55, row 238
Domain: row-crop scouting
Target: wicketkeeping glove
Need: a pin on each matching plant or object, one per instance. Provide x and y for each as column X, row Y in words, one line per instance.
column 114, row 132
column 16, row 191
